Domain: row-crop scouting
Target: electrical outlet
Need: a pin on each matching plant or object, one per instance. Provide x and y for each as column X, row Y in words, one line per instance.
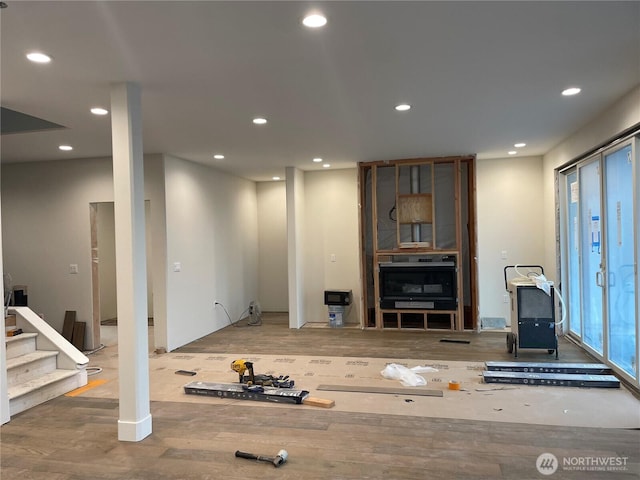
column 73, row 268
column 505, row 298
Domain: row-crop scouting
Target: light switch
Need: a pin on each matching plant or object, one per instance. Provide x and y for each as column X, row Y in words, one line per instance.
column 177, row 266
column 333, row 257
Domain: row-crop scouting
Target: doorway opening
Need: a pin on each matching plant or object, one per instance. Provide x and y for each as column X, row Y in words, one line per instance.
column 103, row 268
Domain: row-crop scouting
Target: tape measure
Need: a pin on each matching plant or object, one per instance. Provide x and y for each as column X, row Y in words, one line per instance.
column 454, row 385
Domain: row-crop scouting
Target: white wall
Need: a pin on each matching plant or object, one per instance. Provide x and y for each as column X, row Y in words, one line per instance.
column 46, row 227
column 272, row 246
column 212, row 234
column 209, row 225
column 331, row 228
column 622, row 115
column 510, row 215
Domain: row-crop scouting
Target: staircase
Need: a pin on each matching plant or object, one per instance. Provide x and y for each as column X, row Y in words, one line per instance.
column 41, row 364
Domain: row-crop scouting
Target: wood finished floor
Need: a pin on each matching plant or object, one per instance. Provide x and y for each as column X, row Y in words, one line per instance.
column 72, row 438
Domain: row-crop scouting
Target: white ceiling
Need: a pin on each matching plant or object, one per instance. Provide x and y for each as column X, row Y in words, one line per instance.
column 480, row 76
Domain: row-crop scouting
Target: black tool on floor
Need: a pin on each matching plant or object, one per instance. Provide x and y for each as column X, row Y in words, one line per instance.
column 552, row 379
column 252, row 378
column 278, row 460
column 189, row 373
column 247, row 392
column 550, row 367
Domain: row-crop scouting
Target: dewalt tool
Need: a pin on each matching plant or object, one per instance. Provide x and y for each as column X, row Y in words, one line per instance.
column 241, row 366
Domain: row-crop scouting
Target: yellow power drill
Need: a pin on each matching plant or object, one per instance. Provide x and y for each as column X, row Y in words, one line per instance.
column 242, row 366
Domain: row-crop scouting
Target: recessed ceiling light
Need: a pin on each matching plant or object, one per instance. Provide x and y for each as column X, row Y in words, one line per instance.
column 38, row 57
column 403, row 107
column 65, row 148
column 571, row 91
column 326, row 165
column 314, row 20
column 259, row 121
column 218, row 156
column 276, row 178
column 520, row 145
column 99, row 111
column 317, row 160
column 512, row 152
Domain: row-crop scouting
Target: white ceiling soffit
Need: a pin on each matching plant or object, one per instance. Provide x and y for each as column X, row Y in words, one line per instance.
column 480, row 76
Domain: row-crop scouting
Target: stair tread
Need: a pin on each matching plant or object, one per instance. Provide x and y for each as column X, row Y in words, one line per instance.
column 30, row 357
column 47, row 379
column 22, row 336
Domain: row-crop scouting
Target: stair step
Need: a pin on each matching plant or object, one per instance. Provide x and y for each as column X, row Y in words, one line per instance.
column 47, row 379
column 20, row 344
column 39, row 390
column 30, row 365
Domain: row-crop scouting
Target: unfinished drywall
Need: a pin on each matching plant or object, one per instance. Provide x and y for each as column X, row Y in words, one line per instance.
column 211, row 249
column 272, row 246
column 509, row 225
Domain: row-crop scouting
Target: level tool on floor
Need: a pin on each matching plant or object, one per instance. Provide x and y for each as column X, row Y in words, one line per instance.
column 547, row 367
column 257, row 393
column 552, row 379
column 242, row 392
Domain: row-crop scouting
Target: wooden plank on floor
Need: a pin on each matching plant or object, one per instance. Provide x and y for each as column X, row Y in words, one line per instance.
column 69, row 322
column 77, row 338
column 383, row 390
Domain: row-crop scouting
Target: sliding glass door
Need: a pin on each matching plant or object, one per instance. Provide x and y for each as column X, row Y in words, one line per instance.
column 591, row 254
column 620, row 281
column 600, row 252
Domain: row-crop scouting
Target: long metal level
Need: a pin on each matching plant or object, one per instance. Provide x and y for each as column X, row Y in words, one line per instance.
column 552, row 379
column 547, row 367
column 242, row 392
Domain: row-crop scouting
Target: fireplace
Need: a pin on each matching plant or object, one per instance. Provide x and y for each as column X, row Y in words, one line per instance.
column 420, row 285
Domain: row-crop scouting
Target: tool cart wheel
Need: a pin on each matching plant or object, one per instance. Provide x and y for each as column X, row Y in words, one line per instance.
column 511, row 340
column 550, row 351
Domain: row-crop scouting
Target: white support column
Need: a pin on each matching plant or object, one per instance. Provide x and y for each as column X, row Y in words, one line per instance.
column 5, row 416
column 295, row 222
column 134, row 423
